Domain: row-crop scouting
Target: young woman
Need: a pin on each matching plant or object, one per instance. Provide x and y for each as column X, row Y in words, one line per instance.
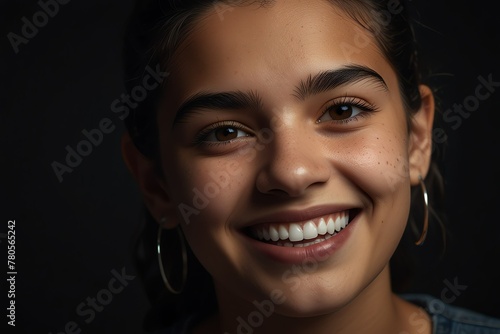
column 278, row 160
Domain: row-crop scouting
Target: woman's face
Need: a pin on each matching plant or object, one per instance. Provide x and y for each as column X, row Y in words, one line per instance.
column 285, row 152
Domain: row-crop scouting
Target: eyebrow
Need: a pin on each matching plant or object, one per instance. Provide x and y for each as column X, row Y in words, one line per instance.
column 328, row 80
column 218, row 101
column 237, row 100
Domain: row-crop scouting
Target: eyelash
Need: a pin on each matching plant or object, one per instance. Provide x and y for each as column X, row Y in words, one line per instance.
column 200, row 138
column 364, row 106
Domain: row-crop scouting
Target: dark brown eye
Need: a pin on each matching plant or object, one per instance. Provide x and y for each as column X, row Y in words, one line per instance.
column 345, row 109
column 219, row 133
column 340, row 112
column 226, row 133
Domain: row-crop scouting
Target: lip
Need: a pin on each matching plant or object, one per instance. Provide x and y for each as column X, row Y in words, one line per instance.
column 315, row 253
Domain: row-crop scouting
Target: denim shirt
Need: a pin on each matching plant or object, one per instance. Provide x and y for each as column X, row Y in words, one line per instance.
column 446, row 318
column 449, row 319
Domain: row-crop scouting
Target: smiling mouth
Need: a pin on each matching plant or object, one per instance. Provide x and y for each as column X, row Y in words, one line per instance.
column 302, row 234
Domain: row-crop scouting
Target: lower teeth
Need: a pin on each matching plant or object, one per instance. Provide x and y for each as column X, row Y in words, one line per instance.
column 304, row 244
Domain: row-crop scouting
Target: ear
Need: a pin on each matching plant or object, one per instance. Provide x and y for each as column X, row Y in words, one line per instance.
column 150, row 182
column 420, row 149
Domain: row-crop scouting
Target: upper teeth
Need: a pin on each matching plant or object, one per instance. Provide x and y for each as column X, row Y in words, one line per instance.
column 302, row 231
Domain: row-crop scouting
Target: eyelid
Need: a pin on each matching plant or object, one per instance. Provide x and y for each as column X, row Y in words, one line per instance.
column 203, row 134
column 357, row 102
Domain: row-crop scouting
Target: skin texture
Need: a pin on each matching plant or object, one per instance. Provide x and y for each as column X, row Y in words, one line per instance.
column 289, row 155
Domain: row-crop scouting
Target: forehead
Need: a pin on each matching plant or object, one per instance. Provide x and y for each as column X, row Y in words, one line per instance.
column 251, row 47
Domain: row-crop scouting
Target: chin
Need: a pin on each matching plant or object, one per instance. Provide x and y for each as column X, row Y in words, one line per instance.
column 312, row 303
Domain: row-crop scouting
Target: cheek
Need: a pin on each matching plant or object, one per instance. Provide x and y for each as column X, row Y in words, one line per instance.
column 206, row 188
column 208, row 193
column 378, row 162
column 381, row 169
column 217, row 190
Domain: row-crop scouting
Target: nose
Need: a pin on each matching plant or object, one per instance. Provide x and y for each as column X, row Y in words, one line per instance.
column 294, row 163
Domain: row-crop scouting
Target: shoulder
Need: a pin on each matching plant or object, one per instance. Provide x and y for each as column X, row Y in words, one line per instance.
column 449, row 319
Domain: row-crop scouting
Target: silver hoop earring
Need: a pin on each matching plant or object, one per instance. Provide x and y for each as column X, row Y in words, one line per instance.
column 184, row 262
column 421, row 239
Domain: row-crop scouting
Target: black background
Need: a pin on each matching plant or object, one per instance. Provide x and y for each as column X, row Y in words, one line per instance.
column 71, row 235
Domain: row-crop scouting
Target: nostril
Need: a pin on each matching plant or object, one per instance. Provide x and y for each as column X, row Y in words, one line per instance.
column 278, row 192
column 291, row 172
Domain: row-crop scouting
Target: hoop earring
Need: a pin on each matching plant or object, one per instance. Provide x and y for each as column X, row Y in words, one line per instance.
column 423, row 235
column 184, row 262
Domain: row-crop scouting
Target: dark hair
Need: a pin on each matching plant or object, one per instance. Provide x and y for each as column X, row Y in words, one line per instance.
column 155, row 31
